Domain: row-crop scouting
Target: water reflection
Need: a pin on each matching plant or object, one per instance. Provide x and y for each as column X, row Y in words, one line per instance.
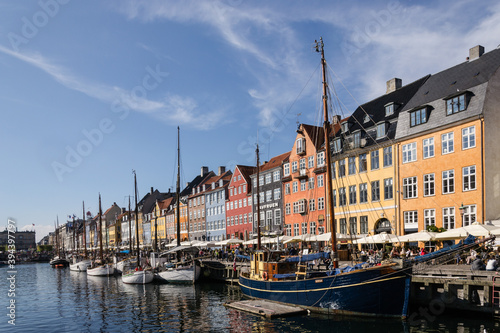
column 59, row 300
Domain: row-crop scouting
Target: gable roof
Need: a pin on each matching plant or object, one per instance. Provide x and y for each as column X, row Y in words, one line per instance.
column 275, row 162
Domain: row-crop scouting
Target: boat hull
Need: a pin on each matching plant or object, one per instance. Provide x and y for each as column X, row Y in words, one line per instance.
column 105, row 270
column 124, row 265
column 80, row 266
column 187, row 274
column 374, row 292
column 137, row 277
column 59, row 262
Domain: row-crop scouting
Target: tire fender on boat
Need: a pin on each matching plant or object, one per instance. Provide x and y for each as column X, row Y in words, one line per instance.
column 264, row 275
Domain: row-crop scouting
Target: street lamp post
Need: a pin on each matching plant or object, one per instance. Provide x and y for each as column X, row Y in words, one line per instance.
column 462, row 211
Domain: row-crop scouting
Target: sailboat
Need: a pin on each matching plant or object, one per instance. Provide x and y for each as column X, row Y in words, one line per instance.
column 81, row 265
column 137, row 275
column 104, row 269
column 181, row 271
column 364, row 289
column 126, row 263
column 57, row 261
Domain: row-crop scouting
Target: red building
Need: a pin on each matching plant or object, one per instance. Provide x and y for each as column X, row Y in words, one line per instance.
column 239, row 204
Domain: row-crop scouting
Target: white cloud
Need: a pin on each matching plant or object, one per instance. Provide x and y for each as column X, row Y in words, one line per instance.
column 182, row 110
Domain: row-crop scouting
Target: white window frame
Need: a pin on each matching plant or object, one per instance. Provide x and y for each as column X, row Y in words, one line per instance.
column 447, row 143
column 428, row 147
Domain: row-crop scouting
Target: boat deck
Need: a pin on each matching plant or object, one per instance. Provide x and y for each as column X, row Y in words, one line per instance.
column 266, row 308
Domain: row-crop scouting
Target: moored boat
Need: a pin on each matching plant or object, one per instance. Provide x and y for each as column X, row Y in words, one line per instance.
column 101, row 270
column 80, row 266
column 138, row 276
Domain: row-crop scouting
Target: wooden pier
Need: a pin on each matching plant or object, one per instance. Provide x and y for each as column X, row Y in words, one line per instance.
column 266, row 308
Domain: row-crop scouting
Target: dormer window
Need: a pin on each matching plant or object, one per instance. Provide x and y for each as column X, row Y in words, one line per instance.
column 381, row 130
column 337, row 145
column 213, row 185
column 345, row 127
column 389, row 109
column 366, row 118
column 418, row 117
column 456, row 104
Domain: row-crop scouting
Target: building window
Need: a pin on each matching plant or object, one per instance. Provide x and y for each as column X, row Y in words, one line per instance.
column 447, row 143
column 468, row 137
column 294, row 166
column 321, row 203
column 304, row 228
column 337, row 145
column 269, row 196
column 345, row 127
column 455, row 104
column 357, row 139
column 301, row 146
column 363, row 193
column 334, row 195
column 296, row 229
column 449, row 218
column 295, row 187
column 277, row 193
column 418, row 117
column 269, row 217
column 287, row 188
column 429, row 185
column 286, row 169
column 429, row 217
column 411, row 217
column 320, row 157
column 448, row 181
column 312, row 228
column 374, row 160
column 312, row 205
column 362, row 163
column 311, row 183
column 469, row 215
column 428, row 145
column 310, row 161
column 388, row 189
column 352, row 194
column 343, row 226
column 375, row 190
column 320, row 180
column 302, row 164
column 410, row 152
column 389, row 109
column 353, row 225
column 363, row 224
column 269, row 178
column 409, row 187
column 342, row 197
column 387, row 156
column 288, row 209
column 352, row 165
column 469, row 178
column 381, row 130
column 288, row 229
column 342, row 168
column 303, row 184
column 276, row 176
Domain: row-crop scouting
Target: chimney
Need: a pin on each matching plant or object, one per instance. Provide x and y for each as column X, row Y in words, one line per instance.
column 336, row 119
column 152, row 190
column 476, row 52
column 204, row 170
column 393, row 85
column 222, row 169
column 124, row 210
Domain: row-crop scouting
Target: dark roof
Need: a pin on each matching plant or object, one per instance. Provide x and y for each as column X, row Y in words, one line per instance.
column 470, row 77
column 376, row 111
column 460, row 77
column 276, row 161
column 148, row 202
column 198, row 180
column 246, row 171
column 316, row 134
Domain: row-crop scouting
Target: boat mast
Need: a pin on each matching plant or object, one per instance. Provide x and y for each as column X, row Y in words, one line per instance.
column 258, row 198
column 57, row 237
column 178, row 189
column 156, row 227
column 326, row 127
column 84, row 233
column 129, row 227
column 136, row 219
column 100, row 229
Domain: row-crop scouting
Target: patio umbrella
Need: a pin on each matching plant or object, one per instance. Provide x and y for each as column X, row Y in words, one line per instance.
column 383, row 237
column 422, row 236
column 476, row 229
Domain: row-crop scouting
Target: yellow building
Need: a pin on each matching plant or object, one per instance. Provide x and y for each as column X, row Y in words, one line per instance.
column 365, row 164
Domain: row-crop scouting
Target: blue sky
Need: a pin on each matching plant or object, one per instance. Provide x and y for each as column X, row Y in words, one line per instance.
column 93, row 89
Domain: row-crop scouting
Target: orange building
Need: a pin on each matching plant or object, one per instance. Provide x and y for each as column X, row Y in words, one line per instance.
column 448, row 147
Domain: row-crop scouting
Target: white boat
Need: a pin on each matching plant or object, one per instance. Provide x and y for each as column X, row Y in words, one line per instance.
column 125, row 265
column 80, row 266
column 103, row 270
column 137, row 276
column 180, row 274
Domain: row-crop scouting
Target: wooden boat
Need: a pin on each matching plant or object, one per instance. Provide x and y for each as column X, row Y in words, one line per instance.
column 57, row 261
column 138, row 275
column 81, row 264
column 100, row 268
column 364, row 289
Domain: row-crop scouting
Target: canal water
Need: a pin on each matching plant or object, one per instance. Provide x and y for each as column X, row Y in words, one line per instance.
column 59, row 300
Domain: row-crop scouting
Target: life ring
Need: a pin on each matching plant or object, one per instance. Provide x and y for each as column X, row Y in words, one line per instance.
column 264, row 275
